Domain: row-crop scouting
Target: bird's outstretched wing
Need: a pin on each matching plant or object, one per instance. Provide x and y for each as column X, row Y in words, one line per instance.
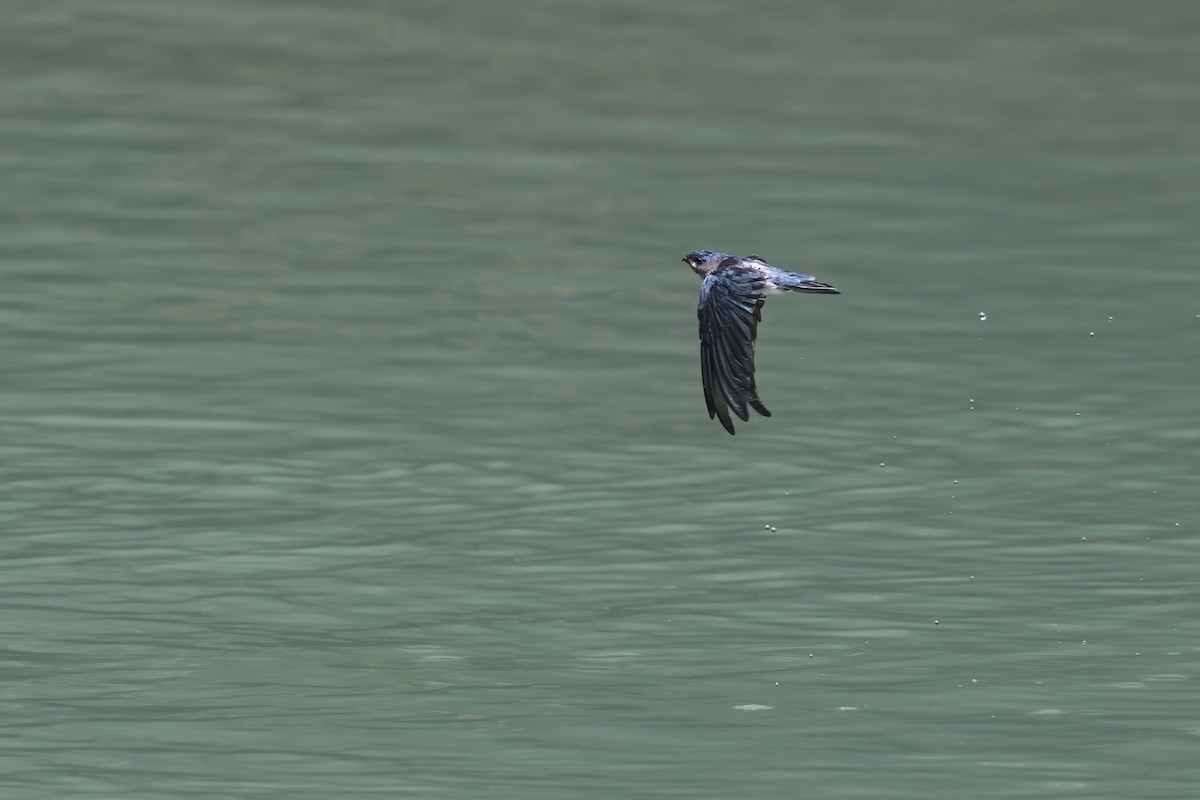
column 730, row 309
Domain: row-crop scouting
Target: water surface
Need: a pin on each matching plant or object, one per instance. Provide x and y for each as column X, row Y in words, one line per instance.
column 353, row 436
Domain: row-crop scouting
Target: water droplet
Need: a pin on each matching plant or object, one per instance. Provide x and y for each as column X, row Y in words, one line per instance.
column 983, row 316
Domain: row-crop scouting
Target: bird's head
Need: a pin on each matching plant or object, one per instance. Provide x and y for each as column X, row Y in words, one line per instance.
column 703, row 262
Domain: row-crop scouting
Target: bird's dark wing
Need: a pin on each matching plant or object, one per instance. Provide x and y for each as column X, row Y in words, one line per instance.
column 730, row 309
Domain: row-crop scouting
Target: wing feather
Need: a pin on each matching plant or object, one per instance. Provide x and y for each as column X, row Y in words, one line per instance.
column 730, row 309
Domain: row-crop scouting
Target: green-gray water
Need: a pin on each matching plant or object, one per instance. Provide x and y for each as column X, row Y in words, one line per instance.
column 353, row 440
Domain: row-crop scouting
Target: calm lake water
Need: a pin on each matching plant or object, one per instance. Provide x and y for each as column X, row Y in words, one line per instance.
column 353, row 439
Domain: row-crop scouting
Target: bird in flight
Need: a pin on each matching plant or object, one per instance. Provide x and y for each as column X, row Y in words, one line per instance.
column 731, row 301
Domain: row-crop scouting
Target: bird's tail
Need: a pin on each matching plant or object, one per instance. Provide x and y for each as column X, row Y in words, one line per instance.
column 795, row 282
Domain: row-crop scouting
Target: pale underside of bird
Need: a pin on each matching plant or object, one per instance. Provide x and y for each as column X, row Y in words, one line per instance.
column 731, row 300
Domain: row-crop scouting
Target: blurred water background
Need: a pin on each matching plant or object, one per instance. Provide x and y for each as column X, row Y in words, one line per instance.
column 353, row 442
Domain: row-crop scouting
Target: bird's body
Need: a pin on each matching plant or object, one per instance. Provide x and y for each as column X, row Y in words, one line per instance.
column 731, row 301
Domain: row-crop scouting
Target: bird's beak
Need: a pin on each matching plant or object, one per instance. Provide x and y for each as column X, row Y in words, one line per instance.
column 816, row 287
